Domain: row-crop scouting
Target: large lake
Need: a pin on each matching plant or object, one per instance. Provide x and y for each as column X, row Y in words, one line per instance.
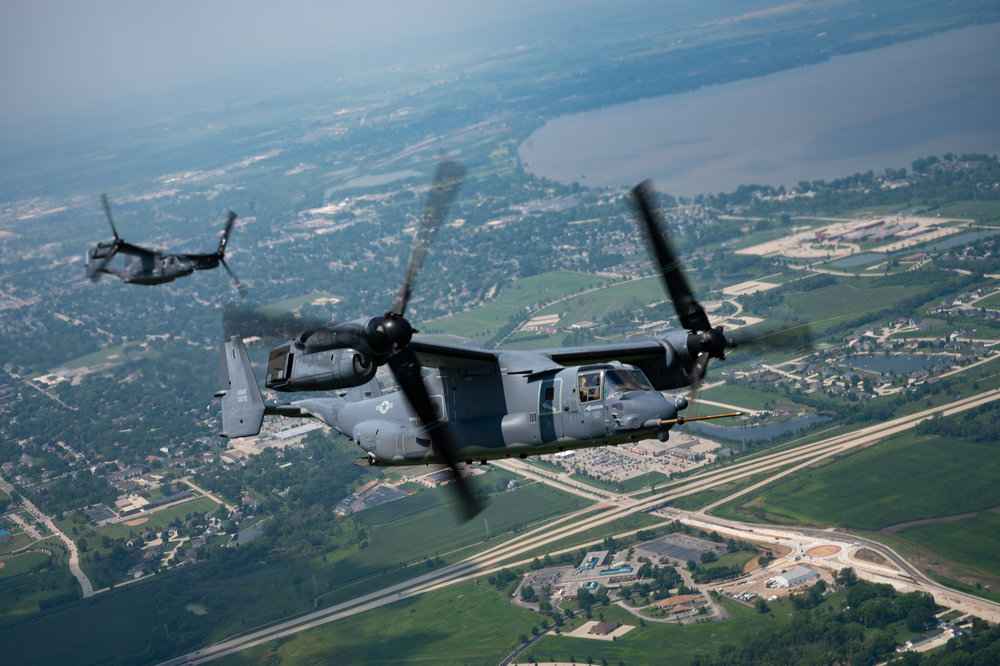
column 854, row 113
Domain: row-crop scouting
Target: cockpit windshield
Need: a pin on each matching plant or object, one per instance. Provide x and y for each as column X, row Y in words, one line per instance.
column 621, row 381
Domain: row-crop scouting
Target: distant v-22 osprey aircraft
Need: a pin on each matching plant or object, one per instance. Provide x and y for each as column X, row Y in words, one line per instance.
column 146, row 266
column 478, row 404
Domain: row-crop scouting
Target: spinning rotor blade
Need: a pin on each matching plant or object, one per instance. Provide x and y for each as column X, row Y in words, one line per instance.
column 239, row 286
column 107, row 211
column 692, row 316
column 95, row 273
column 447, row 180
column 797, row 337
column 225, row 233
column 406, row 369
column 696, row 376
column 704, row 342
column 245, row 320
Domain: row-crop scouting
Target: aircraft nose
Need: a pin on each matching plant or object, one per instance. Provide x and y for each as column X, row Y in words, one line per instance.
column 645, row 409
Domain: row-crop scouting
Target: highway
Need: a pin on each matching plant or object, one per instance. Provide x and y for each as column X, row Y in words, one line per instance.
column 528, row 544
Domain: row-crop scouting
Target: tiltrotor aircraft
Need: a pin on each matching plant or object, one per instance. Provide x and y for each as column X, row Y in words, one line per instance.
column 477, row 404
column 145, row 266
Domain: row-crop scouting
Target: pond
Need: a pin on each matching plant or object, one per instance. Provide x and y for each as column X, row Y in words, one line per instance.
column 860, row 259
column 757, row 433
column 898, row 363
column 249, row 533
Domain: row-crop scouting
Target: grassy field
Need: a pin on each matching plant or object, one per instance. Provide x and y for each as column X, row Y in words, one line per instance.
column 990, row 302
column 420, row 526
column 596, row 305
column 981, row 211
column 101, row 356
column 28, row 580
column 825, row 306
column 513, row 301
column 876, row 487
column 19, row 564
column 20, row 540
column 407, row 634
column 462, row 624
column 658, row 643
column 291, row 304
column 738, row 397
column 975, row 541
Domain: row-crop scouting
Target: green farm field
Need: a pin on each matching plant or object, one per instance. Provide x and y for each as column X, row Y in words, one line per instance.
column 420, row 526
column 990, row 302
column 845, row 299
column 980, row 211
column 737, row 396
column 513, row 301
column 877, row 487
column 596, row 305
column 434, row 628
column 973, row 541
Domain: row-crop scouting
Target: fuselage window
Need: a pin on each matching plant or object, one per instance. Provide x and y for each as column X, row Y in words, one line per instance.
column 590, row 386
column 621, row 381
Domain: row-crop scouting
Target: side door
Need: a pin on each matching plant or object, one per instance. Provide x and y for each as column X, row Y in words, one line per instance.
column 550, row 408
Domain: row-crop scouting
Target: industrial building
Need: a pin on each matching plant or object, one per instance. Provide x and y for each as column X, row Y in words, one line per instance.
column 796, row 576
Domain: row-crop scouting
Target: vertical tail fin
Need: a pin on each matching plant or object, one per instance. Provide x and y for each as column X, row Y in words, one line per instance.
column 242, row 404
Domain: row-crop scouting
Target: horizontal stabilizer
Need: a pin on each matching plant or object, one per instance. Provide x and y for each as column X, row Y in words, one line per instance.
column 242, row 404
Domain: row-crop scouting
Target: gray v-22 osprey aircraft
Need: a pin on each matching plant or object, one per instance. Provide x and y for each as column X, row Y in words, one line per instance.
column 478, row 404
column 147, row 266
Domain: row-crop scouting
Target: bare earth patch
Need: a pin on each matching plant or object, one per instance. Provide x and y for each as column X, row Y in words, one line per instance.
column 870, row 556
column 137, row 521
column 824, row 551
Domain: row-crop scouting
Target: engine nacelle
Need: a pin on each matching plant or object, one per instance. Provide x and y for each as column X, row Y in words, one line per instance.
column 289, row 369
column 668, row 371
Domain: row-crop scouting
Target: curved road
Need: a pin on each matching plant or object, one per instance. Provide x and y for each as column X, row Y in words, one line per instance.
column 74, row 554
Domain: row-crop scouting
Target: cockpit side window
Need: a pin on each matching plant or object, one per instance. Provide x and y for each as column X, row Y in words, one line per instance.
column 590, row 386
column 621, row 381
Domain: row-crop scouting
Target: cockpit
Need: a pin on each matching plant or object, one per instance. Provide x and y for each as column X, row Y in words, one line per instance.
column 602, row 384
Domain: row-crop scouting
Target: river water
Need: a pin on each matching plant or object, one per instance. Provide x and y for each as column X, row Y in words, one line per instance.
column 854, row 113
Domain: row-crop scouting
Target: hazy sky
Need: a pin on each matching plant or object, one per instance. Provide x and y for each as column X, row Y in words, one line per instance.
column 68, row 56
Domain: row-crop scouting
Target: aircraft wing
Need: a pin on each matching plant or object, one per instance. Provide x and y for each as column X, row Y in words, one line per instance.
column 626, row 352
column 135, row 250
column 442, row 355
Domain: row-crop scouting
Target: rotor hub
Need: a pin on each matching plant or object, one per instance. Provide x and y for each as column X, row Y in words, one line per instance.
column 389, row 334
column 712, row 342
